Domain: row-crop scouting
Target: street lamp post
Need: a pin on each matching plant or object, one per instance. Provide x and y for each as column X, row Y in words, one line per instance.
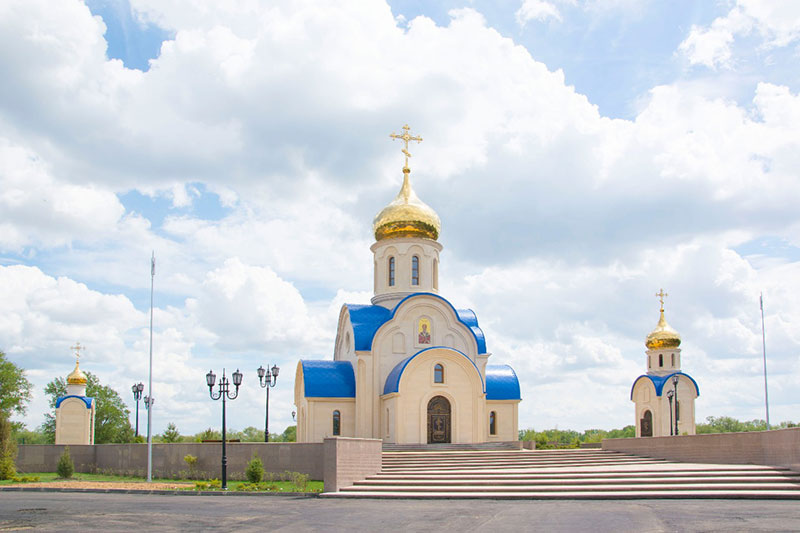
column 670, row 394
column 267, row 380
column 137, row 389
column 677, row 411
column 223, row 392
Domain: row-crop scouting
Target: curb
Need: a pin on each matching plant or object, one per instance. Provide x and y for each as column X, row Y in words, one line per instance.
column 164, row 492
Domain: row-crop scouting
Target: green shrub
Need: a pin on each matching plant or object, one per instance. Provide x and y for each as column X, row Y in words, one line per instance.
column 8, row 449
column 25, row 479
column 255, row 470
column 65, row 467
column 212, row 484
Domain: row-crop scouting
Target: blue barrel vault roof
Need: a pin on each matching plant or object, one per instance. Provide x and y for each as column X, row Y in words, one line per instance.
column 393, row 379
column 328, row 379
column 367, row 319
column 660, row 381
column 502, row 383
column 88, row 401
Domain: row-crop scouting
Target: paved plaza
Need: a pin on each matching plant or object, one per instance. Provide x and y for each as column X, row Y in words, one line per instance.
column 59, row 511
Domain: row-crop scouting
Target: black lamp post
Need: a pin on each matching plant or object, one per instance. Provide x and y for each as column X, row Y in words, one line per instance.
column 137, row 389
column 670, row 394
column 267, row 380
column 677, row 412
column 223, row 392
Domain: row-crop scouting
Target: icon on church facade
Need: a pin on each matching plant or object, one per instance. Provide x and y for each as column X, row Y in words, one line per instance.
column 424, row 331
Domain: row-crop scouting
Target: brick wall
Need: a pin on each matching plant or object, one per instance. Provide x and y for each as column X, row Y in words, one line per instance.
column 306, row 458
column 780, row 447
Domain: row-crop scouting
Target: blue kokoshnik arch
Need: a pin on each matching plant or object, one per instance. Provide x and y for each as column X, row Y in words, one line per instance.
column 393, row 379
column 660, row 381
column 85, row 399
column 502, row 383
column 367, row 319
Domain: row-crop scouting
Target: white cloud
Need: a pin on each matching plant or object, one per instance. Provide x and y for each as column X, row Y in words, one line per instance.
column 776, row 22
column 537, row 10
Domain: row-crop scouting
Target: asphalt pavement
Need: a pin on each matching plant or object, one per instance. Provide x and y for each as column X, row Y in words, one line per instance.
column 63, row 511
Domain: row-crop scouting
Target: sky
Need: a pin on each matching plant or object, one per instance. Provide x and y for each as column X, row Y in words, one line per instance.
column 582, row 154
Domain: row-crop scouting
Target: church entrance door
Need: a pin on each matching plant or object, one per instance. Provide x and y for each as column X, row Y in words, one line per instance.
column 438, row 420
column 647, row 424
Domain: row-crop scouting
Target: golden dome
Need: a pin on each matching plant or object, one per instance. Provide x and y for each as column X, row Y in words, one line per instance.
column 663, row 336
column 406, row 216
column 76, row 377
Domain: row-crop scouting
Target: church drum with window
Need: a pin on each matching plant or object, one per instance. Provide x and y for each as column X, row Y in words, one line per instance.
column 410, row 367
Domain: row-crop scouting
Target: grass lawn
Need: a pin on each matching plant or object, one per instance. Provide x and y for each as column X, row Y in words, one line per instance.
column 279, row 486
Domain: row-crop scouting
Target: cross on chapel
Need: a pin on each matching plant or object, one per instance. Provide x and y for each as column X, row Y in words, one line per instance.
column 405, row 137
column 77, row 349
column 661, row 295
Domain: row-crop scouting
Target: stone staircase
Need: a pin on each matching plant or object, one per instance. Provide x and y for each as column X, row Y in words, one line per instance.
column 564, row 474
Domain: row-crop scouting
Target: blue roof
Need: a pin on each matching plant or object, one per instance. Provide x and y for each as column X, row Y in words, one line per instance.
column 393, row 379
column 501, row 383
column 329, row 379
column 367, row 319
column 86, row 400
column 659, row 381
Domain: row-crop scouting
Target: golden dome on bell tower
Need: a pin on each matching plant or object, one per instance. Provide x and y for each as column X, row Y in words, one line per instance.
column 406, row 215
column 663, row 336
column 77, row 377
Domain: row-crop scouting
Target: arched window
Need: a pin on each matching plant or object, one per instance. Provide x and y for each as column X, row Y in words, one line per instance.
column 337, row 423
column 415, row 270
column 661, row 359
column 649, row 362
column 387, row 422
column 677, row 410
column 438, row 373
column 673, row 359
column 391, row 271
column 492, row 423
column 436, row 274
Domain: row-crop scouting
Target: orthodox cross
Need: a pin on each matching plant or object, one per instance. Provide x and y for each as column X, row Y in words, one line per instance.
column 661, row 295
column 405, row 137
column 77, row 349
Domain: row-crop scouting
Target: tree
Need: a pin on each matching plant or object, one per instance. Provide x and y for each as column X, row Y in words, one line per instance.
column 171, row 434
column 15, row 389
column 111, row 422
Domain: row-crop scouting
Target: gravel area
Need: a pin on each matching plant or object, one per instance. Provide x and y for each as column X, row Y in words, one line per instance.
column 106, row 485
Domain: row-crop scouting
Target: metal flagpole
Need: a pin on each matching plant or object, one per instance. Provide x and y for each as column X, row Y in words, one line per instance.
column 150, row 384
column 764, row 348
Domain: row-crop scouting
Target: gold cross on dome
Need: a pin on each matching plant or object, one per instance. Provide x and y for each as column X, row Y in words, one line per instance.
column 405, row 137
column 661, row 295
column 77, row 349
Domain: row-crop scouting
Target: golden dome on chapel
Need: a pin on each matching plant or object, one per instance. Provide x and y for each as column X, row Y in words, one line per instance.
column 76, row 377
column 406, row 216
column 663, row 336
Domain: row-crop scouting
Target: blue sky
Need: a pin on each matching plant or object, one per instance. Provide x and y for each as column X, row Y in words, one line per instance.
column 581, row 154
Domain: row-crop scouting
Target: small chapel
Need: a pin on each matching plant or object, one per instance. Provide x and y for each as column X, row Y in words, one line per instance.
column 409, row 367
column 75, row 411
column 664, row 397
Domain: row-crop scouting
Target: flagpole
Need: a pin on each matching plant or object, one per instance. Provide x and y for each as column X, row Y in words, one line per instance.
column 150, row 383
column 764, row 351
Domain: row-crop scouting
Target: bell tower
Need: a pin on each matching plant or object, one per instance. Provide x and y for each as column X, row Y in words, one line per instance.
column 406, row 252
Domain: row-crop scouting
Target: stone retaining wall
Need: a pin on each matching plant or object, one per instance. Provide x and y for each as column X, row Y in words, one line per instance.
column 779, row 447
column 349, row 460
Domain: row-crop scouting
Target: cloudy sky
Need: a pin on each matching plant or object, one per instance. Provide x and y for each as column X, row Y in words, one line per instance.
column 582, row 154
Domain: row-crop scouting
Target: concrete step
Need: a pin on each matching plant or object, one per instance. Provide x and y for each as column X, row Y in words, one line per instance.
column 455, row 489
column 378, row 481
column 579, row 495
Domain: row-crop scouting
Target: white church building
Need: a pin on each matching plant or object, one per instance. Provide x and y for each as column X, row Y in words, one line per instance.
column 409, row 367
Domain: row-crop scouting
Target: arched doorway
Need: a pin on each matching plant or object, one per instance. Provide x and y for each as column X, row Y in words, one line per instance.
column 438, row 420
column 646, row 428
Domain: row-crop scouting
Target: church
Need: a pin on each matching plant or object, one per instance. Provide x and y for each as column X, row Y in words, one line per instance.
column 409, row 367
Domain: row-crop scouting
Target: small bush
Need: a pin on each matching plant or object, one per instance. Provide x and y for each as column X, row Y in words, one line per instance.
column 25, row 479
column 300, row 480
column 65, row 467
column 212, row 484
column 255, row 470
